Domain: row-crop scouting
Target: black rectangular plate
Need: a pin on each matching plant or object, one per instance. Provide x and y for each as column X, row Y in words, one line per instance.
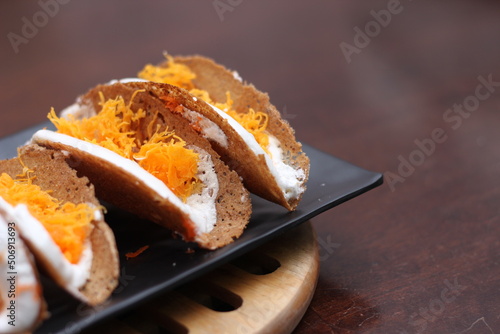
column 169, row 263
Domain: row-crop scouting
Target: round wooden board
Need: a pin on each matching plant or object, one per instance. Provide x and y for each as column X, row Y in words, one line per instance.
column 265, row 291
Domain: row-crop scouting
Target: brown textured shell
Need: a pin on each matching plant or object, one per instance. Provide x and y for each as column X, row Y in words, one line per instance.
column 53, row 173
column 217, row 80
column 125, row 190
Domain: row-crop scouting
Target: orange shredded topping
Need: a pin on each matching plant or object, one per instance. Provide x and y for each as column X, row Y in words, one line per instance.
column 138, row 252
column 180, row 75
column 162, row 154
column 166, row 157
column 172, row 104
column 175, row 74
column 68, row 224
column 254, row 122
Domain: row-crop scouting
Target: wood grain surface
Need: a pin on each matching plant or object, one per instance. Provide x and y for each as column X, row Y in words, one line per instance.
column 408, row 88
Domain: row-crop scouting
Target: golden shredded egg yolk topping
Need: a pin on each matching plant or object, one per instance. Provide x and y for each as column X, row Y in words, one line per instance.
column 180, row 75
column 115, row 127
column 175, row 74
column 68, row 224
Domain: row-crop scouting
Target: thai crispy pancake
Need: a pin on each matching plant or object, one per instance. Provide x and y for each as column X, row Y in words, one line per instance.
column 133, row 192
column 21, row 299
column 283, row 183
column 51, row 173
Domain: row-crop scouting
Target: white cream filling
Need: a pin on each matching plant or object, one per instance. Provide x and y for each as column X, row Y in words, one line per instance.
column 202, row 221
column 209, row 129
column 126, row 80
column 25, row 291
column 74, row 276
column 203, row 204
column 289, row 179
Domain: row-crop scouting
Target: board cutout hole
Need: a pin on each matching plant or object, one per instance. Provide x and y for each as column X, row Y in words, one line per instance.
column 212, row 296
column 257, row 263
column 170, row 326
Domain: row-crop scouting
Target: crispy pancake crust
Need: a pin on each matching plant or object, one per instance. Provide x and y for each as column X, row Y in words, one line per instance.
column 125, row 190
column 53, row 173
column 217, row 80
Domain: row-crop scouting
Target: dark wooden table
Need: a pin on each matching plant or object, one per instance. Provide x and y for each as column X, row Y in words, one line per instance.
column 409, row 88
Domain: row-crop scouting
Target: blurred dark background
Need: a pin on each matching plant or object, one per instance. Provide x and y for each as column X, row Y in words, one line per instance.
column 290, row 49
column 363, row 97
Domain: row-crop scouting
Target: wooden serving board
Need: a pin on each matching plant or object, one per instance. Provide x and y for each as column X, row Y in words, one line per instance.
column 265, row 291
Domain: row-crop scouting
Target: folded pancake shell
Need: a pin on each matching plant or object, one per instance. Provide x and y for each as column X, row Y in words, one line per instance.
column 21, row 300
column 123, row 187
column 95, row 276
column 281, row 176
